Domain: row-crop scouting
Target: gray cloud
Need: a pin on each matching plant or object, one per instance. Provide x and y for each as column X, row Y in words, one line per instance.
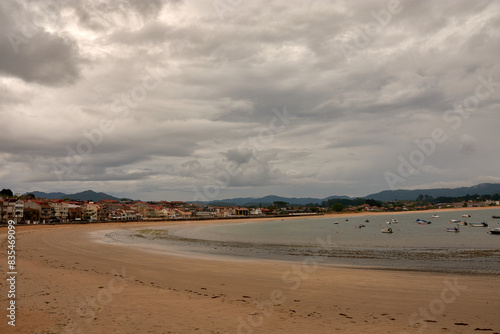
column 222, row 80
column 29, row 52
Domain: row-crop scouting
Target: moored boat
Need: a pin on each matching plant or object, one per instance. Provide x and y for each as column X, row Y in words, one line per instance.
column 387, row 230
column 495, row 230
column 481, row 224
column 466, row 216
column 452, row 229
column 422, row 221
column 435, row 216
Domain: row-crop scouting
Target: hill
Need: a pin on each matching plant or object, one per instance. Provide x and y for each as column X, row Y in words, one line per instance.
column 88, row 195
column 270, row 199
column 480, row 189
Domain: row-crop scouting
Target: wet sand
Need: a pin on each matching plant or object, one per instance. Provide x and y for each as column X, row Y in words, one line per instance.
column 68, row 283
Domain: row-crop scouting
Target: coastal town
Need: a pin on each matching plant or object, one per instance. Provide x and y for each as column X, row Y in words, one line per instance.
column 28, row 209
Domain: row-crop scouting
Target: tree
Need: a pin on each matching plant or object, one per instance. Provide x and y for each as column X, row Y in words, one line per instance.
column 372, row 202
column 280, row 204
column 6, row 192
column 337, row 207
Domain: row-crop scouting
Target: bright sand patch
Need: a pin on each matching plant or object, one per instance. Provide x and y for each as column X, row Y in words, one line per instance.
column 67, row 283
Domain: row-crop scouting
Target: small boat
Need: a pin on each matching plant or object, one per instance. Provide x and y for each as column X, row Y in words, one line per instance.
column 462, row 223
column 435, row 216
column 360, row 226
column 466, row 216
column 495, row 230
column 336, row 223
column 347, row 220
column 452, row 229
column 481, row 224
column 495, row 217
column 421, row 221
column 454, row 221
column 367, row 221
column 387, row 230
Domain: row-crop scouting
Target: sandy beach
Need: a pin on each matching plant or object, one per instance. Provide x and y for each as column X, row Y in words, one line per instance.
column 68, row 283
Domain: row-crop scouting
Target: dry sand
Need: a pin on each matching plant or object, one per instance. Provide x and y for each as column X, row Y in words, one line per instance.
column 67, row 283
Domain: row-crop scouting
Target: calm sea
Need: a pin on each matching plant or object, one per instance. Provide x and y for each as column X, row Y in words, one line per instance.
column 339, row 240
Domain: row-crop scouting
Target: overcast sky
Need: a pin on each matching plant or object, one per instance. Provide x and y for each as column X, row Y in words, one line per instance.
column 185, row 100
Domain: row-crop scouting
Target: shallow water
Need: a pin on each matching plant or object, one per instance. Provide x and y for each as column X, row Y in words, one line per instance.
column 411, row 247
column 306, row 231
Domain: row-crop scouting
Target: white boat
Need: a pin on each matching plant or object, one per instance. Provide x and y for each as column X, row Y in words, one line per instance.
column 387, row 230
column 495, row 230
column 452, row 229
column 466, row 216
column 435, row 216
column 481, row 224
column 454, row 221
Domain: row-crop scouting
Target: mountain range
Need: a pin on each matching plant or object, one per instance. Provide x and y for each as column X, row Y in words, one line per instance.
column 479, row 189
column 386, row 195
column 88, row 195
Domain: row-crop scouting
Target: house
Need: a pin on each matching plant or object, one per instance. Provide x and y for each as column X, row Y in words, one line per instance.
column 242, row 212
column 3, row 211
column 167, row 213
column 183, row 214
column 12, row 209
column 59, row 210
column 256, row 211
column 92, row 211
column 75, row 211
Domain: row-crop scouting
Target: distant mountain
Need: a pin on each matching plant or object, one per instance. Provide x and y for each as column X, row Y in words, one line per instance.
column 88, row 195
column 386, row 195
column 268, row 200
column 41, row 194
column 480, row 189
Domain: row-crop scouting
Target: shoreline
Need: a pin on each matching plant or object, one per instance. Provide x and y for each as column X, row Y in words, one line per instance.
column 270, row 218
column 432, row 259
column 71, row 284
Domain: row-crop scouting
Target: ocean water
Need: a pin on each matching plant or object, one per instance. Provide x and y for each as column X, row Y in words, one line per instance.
column 337, row 240
column 406, row 233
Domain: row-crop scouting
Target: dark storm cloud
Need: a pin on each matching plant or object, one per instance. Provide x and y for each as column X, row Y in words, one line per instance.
column 351, row 116
column 29, row 52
